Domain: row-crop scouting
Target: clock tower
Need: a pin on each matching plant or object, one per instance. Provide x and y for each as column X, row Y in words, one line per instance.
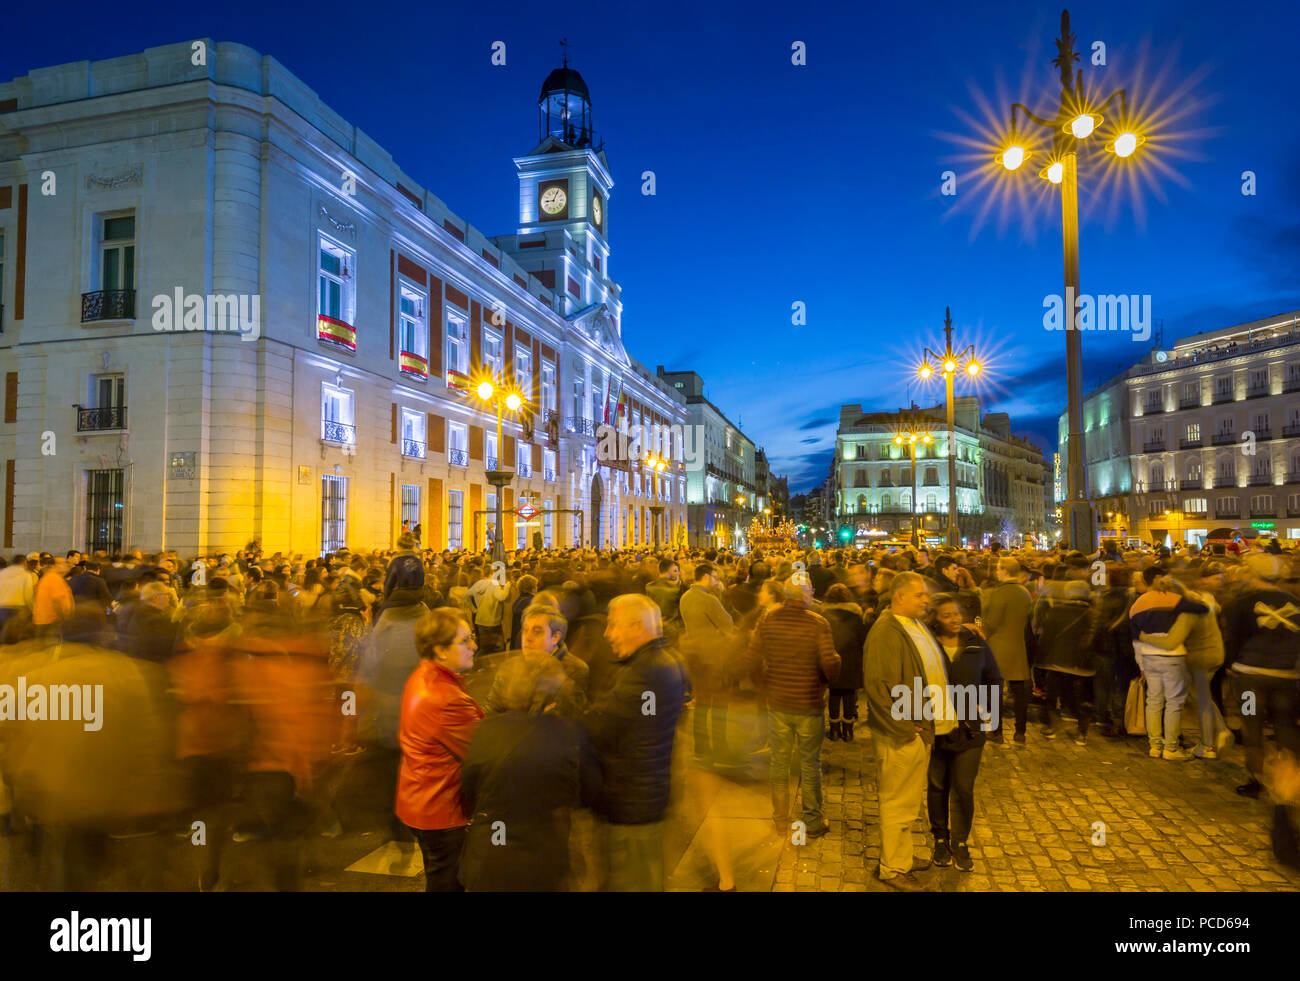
column 564, row 191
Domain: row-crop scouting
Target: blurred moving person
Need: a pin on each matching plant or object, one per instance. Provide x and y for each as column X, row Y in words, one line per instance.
column 849, row 634
column 632, row 728
column 797, row 653
column 526, row 770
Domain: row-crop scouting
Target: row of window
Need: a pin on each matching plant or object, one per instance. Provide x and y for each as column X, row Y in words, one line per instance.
column 1261, row 424
column 1260, row 504
column 1257, row 383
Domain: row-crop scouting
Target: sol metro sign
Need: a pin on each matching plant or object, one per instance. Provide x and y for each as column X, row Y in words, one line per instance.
column 526, row 511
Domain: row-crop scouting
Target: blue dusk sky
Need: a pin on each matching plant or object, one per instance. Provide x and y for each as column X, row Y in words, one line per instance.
column 820, row 184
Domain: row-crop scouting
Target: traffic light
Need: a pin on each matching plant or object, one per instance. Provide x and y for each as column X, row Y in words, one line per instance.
column 845, row 534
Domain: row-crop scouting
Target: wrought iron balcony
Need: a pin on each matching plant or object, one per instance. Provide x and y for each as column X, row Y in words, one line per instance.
column 1190, row 444
column 1225, row 480
column 1260, row 480
column 338, row 432
column 1221, row 397
column 1227, row 513
column 1155, row 446
column 1291, row 430
column 1263, row 512
column 1257, row 391
column 583, row 427
column 1194, row 484
column 1153, row 408
column 1223, row 439
column 413, row 448
column 1293, row 512
column 1193, row 403
column 458, row 458
column 548, row 476
column 107, row 305
column 490, row 463
column 524, row 469
column 1292, row 385
column 97, row 420
column 1293, row 476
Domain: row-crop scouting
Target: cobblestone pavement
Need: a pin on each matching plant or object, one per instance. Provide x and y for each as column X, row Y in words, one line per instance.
column 1169, row 826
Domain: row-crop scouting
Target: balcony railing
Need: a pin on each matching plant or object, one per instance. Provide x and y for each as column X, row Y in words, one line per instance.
column 1153, row 408
column 1291, row 385
column 1227, row 512
column 458, row 458
column 338, row 432
column 1225, row 480
column 1195, row 484
column 1193, row 403
column 548, row 476
column 524, row 469
column 490, row 463
column 1156, row 446
column 1223, row 439
column 581, row 426
column 1190, row 444
column 1260, row 480
column 1291, row 430
column 413, row 448
column 1257, row 391
column 97, row 420
column 1293, row 476
column 107, row 305
column 1293, row 512
column 1221, row 397
column 1263, row 512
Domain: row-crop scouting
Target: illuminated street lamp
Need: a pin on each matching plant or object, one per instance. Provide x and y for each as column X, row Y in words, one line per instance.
column 909, row 436
column 950, row 363
column 495, row 393
column 1077, row 119
column 656, row 465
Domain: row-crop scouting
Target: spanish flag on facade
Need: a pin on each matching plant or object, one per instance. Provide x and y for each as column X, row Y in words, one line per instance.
column 622, row 400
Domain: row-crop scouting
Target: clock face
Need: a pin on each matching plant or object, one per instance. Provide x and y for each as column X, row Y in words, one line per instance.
column 554, row 200
column 597, row 211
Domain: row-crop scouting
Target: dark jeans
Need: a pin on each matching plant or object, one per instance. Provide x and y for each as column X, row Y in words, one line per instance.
column 1020, row 703
column 282, row 819
column 1074, row 690
column 843, row 704
column 952, row 773
column 441, row 853
column 710, row 716
column 1110, row 689
column 1275, row 701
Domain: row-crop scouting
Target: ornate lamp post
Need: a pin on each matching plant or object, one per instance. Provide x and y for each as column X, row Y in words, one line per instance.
column 950, row 363
column 657, row 466
column 1077, row 118
column 495, row 393
column 909, row 437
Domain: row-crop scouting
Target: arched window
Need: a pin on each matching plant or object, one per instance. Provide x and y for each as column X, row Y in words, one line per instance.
column 886, row 501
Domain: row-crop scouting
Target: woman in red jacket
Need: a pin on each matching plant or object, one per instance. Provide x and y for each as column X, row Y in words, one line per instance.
column 437, row 723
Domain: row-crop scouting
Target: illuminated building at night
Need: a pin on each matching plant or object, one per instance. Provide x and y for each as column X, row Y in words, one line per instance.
column 228, row 314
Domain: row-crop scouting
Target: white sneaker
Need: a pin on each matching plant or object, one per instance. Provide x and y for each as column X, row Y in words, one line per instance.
column 1176, row 755
column 1154, row 752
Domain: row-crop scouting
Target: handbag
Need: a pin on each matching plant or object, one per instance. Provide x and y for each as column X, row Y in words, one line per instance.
column 1135, row 708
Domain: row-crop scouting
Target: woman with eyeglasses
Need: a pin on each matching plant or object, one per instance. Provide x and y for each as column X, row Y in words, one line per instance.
column 438, row 720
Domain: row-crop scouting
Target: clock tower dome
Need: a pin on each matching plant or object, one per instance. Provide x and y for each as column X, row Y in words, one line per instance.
column 564, row 191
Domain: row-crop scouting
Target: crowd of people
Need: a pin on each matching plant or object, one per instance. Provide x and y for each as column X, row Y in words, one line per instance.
column 536, row 724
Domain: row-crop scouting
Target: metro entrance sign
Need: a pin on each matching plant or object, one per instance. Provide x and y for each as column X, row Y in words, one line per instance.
column 525, row 511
